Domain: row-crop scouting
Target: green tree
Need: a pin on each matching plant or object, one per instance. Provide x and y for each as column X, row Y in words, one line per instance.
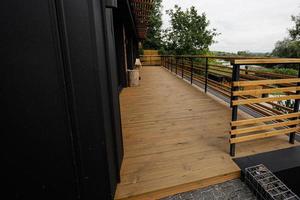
column 189, row 33
column 290, row 46
column 287, row 48
column 154, row 37
column 243, row 53
column 295, row 31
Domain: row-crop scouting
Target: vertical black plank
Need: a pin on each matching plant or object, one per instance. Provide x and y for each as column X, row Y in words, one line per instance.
column 37, row 154
column 94, row 79
column 235, row 77
column 113, row 88
column 120, row 46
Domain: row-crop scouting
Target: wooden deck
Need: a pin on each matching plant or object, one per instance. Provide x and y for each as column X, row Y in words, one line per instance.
column 176, row 138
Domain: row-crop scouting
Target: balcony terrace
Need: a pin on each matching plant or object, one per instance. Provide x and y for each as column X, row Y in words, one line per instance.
column 176, row 137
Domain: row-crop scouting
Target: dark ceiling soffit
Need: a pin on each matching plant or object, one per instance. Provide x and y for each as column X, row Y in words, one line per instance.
column 142, row 10
column 111, row 3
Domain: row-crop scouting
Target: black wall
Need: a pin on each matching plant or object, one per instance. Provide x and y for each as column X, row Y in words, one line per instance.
column 115, row 85
column 61, row 133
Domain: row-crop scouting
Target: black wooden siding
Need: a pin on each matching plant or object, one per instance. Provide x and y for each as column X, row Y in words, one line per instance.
column 60, row 83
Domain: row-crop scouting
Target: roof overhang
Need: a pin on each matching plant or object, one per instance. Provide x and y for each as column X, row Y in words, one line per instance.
column 141, row 10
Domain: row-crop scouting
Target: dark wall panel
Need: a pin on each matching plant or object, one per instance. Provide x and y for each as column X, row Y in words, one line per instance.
column 36, row 149
column 120, row 48
column 113, row 79
column 92, row 84
column 61, row 134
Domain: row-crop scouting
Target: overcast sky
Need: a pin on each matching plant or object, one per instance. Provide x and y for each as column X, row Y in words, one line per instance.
column 253, row 25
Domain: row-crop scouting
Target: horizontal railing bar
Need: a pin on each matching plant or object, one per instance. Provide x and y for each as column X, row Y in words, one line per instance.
column 263, row 100
column 264, row 119
column 264, row 127
column 281, row 106
column 265, row 61
column 265, row 91
column 229, row 58
column 263, row 135
column 265, row 82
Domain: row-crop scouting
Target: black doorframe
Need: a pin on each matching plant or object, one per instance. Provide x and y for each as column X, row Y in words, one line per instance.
column 112, row 62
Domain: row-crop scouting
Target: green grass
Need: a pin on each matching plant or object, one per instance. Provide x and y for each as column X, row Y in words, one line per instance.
column 286, row 71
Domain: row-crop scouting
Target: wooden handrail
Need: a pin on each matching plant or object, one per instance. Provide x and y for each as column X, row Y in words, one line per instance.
column 228, row 58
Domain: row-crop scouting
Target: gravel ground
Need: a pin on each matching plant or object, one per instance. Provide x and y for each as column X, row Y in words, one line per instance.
column 234, row 189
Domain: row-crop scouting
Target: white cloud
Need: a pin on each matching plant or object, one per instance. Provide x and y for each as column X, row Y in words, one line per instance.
column 253, row 25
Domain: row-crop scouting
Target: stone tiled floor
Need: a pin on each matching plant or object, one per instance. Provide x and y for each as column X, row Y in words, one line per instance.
column 231, row 190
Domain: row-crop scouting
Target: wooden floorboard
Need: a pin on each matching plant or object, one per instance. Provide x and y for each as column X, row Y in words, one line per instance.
column 176, row 138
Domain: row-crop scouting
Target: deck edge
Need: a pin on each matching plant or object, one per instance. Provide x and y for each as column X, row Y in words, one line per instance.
column 186, row 187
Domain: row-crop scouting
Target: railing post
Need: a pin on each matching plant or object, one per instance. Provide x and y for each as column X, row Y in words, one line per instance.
column 182, row 67
column 235, row 77
column 296, row 109
column 167, row 64
column 206, row 74
column 192, row 70
column 165, row 61
column 176, row 58
column 171, row 64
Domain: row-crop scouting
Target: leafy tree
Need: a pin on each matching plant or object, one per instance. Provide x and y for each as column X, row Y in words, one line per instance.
column 154, row 37
column 189, row 33
column 287, row 48
column 290, row 46
column 295, row 31
column 243, row 53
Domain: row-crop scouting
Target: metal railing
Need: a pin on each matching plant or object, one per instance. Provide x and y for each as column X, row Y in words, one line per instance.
column 262, row 97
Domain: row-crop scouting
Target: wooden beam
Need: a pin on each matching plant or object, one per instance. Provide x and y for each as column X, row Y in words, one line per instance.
column 263, row 100
column 263, row 135
column 265, row 82
column 265, row 91
column 264, row 127
column 264, row 119
column 265, row 61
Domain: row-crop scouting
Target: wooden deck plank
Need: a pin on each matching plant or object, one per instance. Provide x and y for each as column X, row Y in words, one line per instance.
column 176, row 138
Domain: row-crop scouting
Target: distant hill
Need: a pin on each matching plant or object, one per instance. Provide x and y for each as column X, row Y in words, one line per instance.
column 241, row 53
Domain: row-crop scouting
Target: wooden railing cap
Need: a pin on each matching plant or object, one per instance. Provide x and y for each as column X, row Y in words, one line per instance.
column 259, row 61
